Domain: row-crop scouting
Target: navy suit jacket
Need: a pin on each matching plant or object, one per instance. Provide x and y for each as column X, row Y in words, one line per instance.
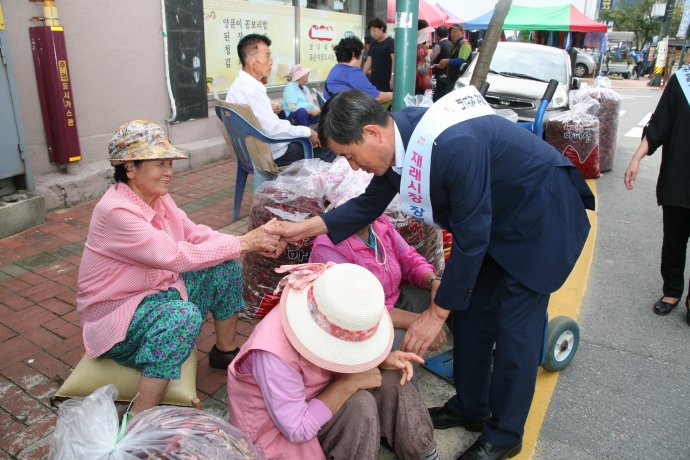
column 498, row 189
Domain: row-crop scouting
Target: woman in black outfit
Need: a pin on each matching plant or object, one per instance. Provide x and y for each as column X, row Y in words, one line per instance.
column 381, row 59
column 669, row 127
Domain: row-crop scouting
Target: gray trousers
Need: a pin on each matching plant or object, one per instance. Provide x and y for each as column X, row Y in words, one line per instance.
column 391, row 411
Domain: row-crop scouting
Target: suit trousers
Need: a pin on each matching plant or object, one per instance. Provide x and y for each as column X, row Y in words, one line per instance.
column 674, row 249
column 498, row 385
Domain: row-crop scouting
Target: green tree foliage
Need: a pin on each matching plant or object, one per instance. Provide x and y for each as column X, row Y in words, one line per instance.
column 638, row 18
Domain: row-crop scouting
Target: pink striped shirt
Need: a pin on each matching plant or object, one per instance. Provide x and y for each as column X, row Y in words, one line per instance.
column 134, row 250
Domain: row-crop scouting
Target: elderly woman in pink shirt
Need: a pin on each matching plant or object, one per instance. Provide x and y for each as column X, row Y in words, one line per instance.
column 381, row 250
column 317, row 380
column 149, row 275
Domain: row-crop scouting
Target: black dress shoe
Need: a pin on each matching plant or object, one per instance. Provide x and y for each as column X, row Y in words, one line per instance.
column 443, row 417
column 484, row 450
column 664, row 308
column 221, row 359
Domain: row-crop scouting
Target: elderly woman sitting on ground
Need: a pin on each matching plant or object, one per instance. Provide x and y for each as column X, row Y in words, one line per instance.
column 379, row 248
column 316, row 378
column 149, row 275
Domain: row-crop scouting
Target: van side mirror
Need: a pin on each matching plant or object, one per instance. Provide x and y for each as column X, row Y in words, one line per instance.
column 575, row 84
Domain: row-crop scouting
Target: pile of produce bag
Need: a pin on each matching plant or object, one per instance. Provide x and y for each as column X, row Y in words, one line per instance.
column 427, row 240
column 295, row 196
column 575, row 134
column 608, row 115
column 87, row 428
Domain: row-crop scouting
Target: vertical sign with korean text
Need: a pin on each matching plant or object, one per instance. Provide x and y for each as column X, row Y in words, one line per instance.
column 684, row 21
column 605, row 5
column 320, row 31
column 227, row 21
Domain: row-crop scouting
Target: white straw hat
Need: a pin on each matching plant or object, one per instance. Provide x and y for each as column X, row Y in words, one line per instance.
column 339, row 322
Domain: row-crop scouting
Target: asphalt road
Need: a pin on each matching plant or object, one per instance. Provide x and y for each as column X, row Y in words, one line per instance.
column 626, row 394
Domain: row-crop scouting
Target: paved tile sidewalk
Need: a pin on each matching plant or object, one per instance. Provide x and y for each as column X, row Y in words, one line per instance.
column 40, row 338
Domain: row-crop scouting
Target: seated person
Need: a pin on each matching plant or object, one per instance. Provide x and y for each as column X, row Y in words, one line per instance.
column 149, row 275
column 247, row 88
column 298, row 102
column 347, row 73
column 380, row 249
column 316, row 378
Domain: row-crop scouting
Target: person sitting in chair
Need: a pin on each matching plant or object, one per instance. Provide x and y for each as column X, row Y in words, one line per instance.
column 298, row 102
column 347, row 73
column 247, row 88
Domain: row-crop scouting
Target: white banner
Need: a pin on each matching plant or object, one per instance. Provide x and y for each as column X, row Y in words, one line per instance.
column 453, row 108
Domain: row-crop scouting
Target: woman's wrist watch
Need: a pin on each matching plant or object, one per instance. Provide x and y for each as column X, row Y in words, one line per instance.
column 431, row 280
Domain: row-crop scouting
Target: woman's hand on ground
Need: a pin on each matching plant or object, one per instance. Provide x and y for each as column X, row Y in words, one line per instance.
column 264, row 243
column 401, row 361
column 631, row 174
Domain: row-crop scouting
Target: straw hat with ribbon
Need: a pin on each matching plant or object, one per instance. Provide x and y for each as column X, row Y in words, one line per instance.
column 335, row 316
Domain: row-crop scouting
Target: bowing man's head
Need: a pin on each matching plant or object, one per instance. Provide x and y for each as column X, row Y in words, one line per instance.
column 356, row 126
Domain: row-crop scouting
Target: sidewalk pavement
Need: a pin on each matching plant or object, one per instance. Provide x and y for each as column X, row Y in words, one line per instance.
column 630, row 83
column 40, row 337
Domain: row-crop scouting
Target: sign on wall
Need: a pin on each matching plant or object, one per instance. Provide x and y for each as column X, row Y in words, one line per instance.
column 320, row 32
column 684, row 21
column 227, row 21
column 606, row 5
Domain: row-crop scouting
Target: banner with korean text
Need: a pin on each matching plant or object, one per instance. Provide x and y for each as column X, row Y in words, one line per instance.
column 227, row 21
column 320, row 31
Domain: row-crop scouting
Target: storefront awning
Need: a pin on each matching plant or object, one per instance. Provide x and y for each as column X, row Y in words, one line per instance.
column 430, row 13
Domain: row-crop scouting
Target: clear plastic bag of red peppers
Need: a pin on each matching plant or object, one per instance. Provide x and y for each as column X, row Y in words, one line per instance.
column 427, row 240
column 89, row 428
column 295, row 196
column 575, row 134
column 608, row 115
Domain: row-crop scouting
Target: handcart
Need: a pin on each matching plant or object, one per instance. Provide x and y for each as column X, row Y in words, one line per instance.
column 561, row 334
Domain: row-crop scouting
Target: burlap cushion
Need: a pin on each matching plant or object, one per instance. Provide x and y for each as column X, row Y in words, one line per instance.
column 91, row 374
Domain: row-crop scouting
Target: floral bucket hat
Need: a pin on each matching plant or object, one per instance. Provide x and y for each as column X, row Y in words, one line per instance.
column 141, row 140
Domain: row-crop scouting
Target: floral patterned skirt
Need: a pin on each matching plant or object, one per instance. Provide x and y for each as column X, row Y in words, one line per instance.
column 164, row 328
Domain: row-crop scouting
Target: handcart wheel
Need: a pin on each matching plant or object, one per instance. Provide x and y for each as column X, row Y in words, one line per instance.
column 562, row 340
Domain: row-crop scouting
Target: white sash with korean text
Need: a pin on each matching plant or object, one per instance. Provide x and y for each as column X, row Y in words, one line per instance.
column 683, row 76
column 455, row 107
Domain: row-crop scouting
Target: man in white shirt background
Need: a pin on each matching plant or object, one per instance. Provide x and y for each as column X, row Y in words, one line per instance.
column 255, row 57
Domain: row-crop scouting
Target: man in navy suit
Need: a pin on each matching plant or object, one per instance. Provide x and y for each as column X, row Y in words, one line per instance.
column 516, row 209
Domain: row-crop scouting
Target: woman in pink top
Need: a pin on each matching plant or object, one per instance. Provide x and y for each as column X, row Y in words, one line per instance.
column 316, row 378
column 149, row 275
column 381, row 250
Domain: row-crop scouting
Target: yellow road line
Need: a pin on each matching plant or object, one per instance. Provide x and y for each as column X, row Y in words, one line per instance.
column 564, row 302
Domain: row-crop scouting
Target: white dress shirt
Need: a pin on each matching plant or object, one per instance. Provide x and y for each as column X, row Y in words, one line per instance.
column 399, row 151
column 248, row 90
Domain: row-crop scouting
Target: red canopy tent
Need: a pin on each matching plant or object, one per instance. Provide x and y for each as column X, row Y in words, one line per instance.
column 430, row 13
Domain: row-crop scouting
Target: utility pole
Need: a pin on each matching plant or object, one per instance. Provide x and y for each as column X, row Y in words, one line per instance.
column 405, row 51
column 665, row 27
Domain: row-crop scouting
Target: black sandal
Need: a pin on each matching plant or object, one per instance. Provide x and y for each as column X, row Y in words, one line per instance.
column 664, row 308
column 221, row 359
